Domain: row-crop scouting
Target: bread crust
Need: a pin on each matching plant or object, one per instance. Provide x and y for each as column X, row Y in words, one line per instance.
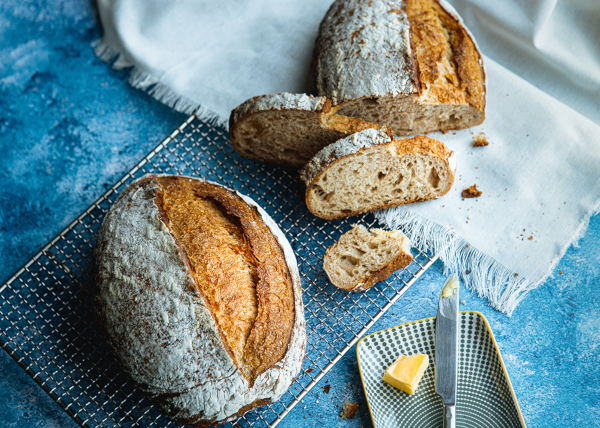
column 162, row 328
column 400, row 262
column 279, row 101
column 465, row 53
column 418, row 50
column 364, row 140
column 361, row 51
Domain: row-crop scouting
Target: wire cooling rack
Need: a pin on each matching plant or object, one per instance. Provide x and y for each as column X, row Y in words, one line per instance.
column 47, row 325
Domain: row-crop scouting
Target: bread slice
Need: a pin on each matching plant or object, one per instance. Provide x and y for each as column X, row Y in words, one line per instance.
column 361, row 257
column 370, row 170
column 288, row 128
column 410, row 64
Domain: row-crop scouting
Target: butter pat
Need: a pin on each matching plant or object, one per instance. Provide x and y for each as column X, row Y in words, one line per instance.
column 450, row 288
column 406, row 372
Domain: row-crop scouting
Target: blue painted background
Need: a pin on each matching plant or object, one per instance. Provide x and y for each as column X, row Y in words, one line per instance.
column 70, row 126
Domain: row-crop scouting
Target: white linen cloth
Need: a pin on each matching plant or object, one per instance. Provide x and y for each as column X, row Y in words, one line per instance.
column 540, row 176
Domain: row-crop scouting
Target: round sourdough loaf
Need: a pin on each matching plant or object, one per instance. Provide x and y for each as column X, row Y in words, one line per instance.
column 199, row 293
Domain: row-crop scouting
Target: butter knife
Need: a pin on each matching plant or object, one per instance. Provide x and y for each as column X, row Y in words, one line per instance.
column 446, row 349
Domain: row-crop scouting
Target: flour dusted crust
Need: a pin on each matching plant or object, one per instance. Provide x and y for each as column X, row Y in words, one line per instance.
column 410, row 64
column 288, row 128
column 343, row 147
column 281, row 101
column 364, row 49
column 160, row 325
column 323, row 178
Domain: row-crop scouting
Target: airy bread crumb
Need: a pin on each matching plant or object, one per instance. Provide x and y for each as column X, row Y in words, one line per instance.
column 361, row 257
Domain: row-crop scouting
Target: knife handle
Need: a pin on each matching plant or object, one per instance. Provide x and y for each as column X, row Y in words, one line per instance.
column 449, row 417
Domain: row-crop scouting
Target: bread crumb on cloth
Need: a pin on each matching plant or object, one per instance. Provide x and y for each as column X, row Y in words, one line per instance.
column 471, row 192
column 349, row 410
column 480, row 140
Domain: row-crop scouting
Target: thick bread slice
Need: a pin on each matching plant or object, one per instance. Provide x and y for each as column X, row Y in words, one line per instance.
column 361, row 257
column 199, row 293
column 410, row 64
column 288, row 128
column 370, row 171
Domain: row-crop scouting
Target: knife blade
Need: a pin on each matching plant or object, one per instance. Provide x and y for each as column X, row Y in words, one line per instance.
column 446, row 349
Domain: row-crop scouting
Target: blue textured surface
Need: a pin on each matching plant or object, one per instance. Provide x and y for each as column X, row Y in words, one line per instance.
column 70, row 127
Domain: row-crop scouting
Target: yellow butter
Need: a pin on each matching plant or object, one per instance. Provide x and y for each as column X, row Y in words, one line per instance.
column 450, row 288
column 406, row 372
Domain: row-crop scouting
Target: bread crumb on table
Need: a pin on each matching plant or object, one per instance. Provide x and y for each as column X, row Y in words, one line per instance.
column 480, row 140
column 349, row 410
column 471, row 192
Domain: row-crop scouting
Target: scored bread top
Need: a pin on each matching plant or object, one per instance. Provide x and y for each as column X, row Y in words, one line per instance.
column 223, row 241
column 450, row 65
column 364, row 49
column 208, row 323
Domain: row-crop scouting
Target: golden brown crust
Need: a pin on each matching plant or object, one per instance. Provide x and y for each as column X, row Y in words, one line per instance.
column 401, row 261
column 421, row 144
column 221, row 261
column 238, row 268
column 449, row 63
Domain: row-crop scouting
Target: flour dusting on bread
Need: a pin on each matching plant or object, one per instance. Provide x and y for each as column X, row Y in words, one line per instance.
column 161, row 325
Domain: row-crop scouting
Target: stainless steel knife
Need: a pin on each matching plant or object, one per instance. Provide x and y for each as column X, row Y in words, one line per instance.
column 446, row 349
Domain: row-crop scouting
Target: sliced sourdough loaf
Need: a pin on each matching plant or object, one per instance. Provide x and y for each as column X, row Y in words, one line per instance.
column 288, row 128
column 370, row 170
column 361, row 257
column 411, row 64
column 199, row 293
